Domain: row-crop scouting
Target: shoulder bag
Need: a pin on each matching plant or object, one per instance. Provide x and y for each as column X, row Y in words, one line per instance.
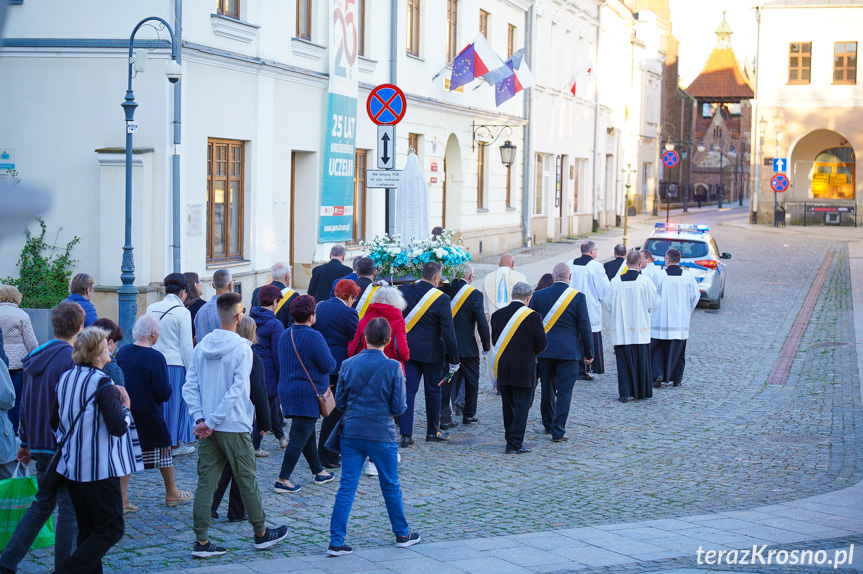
column 326, row 401
column 333, row 442
column 49, row 478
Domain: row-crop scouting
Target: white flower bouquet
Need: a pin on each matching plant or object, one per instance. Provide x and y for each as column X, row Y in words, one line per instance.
column 393, row 258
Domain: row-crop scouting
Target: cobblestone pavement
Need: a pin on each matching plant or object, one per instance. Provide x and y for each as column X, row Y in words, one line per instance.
column 723, row 441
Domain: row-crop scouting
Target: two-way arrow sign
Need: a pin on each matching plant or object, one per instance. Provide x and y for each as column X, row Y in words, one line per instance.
column 386, row 147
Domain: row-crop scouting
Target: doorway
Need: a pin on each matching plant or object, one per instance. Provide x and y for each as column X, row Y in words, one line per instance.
column 453, row 177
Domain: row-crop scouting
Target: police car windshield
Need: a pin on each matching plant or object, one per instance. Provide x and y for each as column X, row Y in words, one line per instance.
column 688, row 249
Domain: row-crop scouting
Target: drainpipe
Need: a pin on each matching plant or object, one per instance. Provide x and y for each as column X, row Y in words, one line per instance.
column 753, row 202
column 175, row 158
column 596, row 154
column 528, row 132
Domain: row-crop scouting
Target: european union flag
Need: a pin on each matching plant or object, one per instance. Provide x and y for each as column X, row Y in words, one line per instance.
column 462, row 69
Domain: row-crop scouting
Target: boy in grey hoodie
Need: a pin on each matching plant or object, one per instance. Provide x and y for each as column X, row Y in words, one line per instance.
column 217, row 394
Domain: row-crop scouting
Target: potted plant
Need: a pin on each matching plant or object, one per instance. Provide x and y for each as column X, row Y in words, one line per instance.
column 43, row 280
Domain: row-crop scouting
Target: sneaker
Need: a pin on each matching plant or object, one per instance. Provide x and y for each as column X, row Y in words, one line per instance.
column 271, row 537
column 283, row 489
column 261, row 453
column 324, row 479
column 339, row 550
column 398, row 457
column 183, row 449
column 207, row 550
column 371, row 469
column 283, row 442
column 407, row 540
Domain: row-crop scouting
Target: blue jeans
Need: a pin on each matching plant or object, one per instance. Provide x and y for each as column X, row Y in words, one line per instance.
column 17, row 382
column 65, row 529
column 385, row 457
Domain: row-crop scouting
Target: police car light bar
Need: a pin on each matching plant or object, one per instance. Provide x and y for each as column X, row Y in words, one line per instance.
column 699, row 228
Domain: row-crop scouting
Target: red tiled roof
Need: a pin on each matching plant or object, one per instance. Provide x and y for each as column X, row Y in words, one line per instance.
column 721, row 79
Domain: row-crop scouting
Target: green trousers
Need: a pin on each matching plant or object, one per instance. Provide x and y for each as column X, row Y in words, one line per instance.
column 236, row 450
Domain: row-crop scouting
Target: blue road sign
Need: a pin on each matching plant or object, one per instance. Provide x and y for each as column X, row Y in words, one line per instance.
column 780, row 164
column 779, row 182
column 670, row 159
column 386, row 105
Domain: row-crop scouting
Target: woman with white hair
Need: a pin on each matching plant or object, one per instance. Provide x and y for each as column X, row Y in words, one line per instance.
column 148, row 385
column 388, row 303
column 18, row 342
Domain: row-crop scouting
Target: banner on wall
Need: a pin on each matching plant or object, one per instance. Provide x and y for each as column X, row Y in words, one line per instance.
column 337, row 197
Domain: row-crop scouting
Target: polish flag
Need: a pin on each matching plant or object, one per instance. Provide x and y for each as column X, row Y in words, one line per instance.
column 478, row 60
column 586, row 75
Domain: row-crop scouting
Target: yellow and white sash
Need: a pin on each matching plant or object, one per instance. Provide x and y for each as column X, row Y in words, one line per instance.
column 558, row 308
column 461, row 297
column 366, row 299
column 420, row 308
column 507, row 333
column 287, row 293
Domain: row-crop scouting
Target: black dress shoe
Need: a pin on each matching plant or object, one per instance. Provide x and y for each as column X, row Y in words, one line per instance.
column 564, row 438
column 676, row 384
column 437, row 437
column 406, row 441
column 585, row 378
column 522, row 450
column 623, row 399
column 657, row 385
column 331, row 465
column 469, row 420
column 449, row 425
column 214, row 515
column 236, row 519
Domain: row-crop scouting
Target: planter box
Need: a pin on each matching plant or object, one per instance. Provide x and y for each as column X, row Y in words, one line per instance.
column 632, row 211
column 41, row 320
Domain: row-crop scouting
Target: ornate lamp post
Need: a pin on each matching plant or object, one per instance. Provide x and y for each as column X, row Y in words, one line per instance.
column 127, row 293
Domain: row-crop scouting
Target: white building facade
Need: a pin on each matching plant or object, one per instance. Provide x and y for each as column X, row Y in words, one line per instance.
column 253, row 116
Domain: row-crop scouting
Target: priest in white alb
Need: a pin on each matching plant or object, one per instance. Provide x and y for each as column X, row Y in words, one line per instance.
column 669, row 322
column 630, row 299
column 588, row 277
column 497, row 286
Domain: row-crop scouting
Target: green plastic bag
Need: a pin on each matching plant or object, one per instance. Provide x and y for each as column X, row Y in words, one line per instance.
column 16, row 495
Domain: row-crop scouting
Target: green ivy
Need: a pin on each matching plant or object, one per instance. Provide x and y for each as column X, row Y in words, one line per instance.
column 43, row 280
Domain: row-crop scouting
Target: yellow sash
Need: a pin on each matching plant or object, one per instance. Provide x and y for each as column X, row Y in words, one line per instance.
column 421, row 307
column 287, row 293
column 366, row 299
column 558, row 308
column 461, row 297
column 507, row 333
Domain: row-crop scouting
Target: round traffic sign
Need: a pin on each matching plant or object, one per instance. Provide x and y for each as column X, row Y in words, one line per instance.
column 779, row 182
column 386, row 105
column 670, row 159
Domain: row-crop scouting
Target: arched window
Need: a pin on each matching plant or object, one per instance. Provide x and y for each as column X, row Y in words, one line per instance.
column 833, row 174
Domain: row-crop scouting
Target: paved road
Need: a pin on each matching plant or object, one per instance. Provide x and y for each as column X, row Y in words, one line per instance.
column 723, row 441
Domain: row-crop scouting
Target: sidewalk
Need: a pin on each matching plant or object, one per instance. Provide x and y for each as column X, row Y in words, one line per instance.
column 829, row 522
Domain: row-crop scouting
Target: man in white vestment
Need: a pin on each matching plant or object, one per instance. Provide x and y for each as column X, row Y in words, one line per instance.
column 630, row 299
column 588, row 277
column 497, row 286
column 648, row 269
column 669, row 322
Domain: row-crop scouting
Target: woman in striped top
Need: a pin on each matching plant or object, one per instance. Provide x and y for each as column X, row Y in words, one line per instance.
column 98, row 450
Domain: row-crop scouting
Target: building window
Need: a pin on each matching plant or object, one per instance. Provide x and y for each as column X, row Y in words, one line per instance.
column 414, row 143
column 845, row 63
column 578, row 181
column 833, row 174
column 304, row 19
column 359, row 227
column 542, row 182
column 799, row 62
column 510, row 40
column 480, row 177
column 451, row 29
column 224, row 200
column 361, row 27
column 228, row 8
column 413, row 44
column 483, row 23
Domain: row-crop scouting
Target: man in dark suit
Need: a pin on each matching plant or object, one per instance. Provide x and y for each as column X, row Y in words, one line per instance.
column 431, row 339
column 516, row 362
column 567, row 324
column 324, row 275
column 281, row 274
column 352, row 275
column 468, row 317
column 613, row 266
column 365, row 270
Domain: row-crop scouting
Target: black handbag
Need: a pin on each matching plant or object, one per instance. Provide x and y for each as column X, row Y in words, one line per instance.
column 333, row 442
column 49, row 477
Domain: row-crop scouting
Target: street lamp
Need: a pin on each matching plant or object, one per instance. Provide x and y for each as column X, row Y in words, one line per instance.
column 779, row 126
column 759, row 156
column 628, row 171
column 127, row 293
column 507, row 154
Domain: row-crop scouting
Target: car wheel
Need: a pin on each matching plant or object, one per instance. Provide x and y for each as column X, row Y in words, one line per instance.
column 715, row 304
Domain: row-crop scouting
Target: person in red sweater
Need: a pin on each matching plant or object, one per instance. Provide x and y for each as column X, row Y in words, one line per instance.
column 388, row 303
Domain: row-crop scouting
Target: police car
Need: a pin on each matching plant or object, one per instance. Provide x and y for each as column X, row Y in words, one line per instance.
column 699, row 256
